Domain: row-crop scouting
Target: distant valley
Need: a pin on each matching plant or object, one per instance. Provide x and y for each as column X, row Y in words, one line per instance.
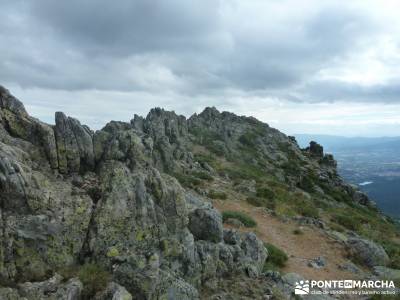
column 373, row 164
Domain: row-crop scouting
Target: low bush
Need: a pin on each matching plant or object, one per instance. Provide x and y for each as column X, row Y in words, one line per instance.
column 308, row 211
column 265, row 193
column 205, row 158
column 393, row 251
column 217, row 195
column 203, row 176
column 187, row 180
column 94, row 279
column 307, row 184
column 262, row 202
column 248, row 139
column 277, row 258
column 242, row 217
column 346, row 221
column 297, row 231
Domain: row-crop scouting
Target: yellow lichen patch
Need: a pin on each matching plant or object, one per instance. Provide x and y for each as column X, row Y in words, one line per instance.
column 112, row 252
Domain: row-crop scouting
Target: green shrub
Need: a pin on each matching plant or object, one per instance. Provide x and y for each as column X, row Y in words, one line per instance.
column 265, row 193
column 262, row 202
column 187, row 180
column 308, row 211
column 297, row 231
column 307, row 184
column 205, row 158
column 242, row 217
column 217, row 195
column 248, row 139
column 336, row 227
column 393, row 251
column 276, row 257
column 243, row 171
column 291, row 168
column 94, row 279
column 203, row 176
column 349, row 222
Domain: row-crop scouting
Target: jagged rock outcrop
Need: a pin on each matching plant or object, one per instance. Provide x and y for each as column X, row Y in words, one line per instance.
column 70, row 196
column 74, row 145
column 52, row 289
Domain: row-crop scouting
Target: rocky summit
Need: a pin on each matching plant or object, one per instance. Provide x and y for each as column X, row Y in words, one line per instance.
column 139, row 210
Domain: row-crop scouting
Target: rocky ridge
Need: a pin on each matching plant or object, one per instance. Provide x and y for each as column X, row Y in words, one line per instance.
column 127, row 198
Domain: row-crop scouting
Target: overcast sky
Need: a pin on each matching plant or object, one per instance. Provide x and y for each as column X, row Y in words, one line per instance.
column 302, row 66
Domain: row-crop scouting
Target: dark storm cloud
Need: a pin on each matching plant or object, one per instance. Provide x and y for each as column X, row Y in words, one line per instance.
column 186, row 47
column 126, row 27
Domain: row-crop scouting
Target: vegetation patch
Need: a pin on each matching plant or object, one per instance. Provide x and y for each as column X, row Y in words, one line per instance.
column 306, row 208
column 249, row 139
column 277, row 258
column 94, row 279
column 349, row 222
column 213, row 194
column 202, row 175
column 243, row 172
column 203, row 158
column 393, row 251
column 307, row 184
column 193, row 179
column 188, row 181
column 297, row 231
column 209, row 140
column 266, row 193
column 262, row 202
column 247, row 220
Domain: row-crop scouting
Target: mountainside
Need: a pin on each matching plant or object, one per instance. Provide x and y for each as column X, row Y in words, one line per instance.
column 130, row 211
column 371, row 163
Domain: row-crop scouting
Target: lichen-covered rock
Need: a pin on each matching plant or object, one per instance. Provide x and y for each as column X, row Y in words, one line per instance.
column 231, row 237
column 74, row 145
column 10, row 294
column 114, row 291
column 52, row 289
column 206, row 224
column 367, row 252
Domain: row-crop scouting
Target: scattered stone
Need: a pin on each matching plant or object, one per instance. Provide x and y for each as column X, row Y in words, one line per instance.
column 350, row 267
column 309, row 221
column 317, row 263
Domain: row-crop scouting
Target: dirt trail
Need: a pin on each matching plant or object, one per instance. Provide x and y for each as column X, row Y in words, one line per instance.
column 300, row 248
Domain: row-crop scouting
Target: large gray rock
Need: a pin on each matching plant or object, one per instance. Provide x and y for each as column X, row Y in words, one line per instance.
column 367, row 252
column 74, row 145
column 206, row 224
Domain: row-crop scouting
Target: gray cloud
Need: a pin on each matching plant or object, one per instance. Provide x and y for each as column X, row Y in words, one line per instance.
column 201, row 47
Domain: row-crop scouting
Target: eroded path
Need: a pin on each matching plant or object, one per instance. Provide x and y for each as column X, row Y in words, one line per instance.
column 300, row 248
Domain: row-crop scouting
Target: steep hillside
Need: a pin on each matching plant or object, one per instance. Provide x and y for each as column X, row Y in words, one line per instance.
column 166, row 207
